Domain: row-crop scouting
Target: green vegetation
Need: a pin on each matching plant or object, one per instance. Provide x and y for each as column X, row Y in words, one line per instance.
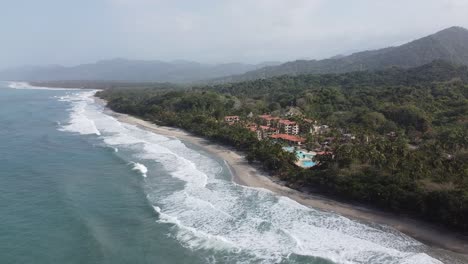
column 408, row 154
column 448, row 44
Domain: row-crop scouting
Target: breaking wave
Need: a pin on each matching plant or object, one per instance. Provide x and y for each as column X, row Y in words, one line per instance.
column 141, row 168
column 25, row 85
column 79, row 122
column 207, row 211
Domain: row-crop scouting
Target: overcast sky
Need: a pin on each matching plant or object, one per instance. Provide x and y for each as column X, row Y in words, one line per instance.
column 81, row 31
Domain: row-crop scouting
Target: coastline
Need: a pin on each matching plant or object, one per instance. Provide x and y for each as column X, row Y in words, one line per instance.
column 245, row 174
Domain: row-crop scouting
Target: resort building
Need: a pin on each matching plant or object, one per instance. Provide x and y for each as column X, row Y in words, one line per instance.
column 290, row 139
column 267, row 131
column 317, row 130
column 231, row 119
column 258, row 132
column 268, row 120
column 289, row 127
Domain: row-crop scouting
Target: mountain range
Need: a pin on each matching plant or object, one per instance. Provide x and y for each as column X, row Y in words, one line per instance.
column 131, row 71
column 449, row 45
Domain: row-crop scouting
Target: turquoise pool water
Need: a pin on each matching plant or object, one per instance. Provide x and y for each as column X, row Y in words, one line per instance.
column 305, row 158
column 290, row 149
column 303, row 155
column 308, row 164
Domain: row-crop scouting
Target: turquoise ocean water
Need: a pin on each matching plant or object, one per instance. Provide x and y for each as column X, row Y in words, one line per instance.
column 77, row 186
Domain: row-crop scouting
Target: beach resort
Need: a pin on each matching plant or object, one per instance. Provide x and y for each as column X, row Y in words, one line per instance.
column 290, row 133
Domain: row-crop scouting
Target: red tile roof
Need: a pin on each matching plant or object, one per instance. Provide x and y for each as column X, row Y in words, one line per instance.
column 288, row 137
column 287, row 122
column 324, row 153
column 268, row 117
column 267, row 128
column 252, row 127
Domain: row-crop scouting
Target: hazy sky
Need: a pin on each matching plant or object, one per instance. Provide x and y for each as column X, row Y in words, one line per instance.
column 78, row 31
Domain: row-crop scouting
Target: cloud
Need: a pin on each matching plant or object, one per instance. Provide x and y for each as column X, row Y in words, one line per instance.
column 236, row 28
column 216, row 30
column 282, row 29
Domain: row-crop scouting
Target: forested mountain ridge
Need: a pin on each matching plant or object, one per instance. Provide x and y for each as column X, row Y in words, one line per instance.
column 410, row 126
column 450, row 44
column 130, row 71
column 436, row 71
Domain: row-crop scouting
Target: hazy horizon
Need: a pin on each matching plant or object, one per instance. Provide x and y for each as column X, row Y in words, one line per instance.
column 53, row 32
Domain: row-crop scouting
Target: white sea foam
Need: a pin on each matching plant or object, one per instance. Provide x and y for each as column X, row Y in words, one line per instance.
column 25, row 85
column 79, row 121
column 193, row 237
column 210, row 212
column 141, row 168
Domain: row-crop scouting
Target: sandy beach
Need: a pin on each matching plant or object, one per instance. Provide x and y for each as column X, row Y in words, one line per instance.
column 246, row 174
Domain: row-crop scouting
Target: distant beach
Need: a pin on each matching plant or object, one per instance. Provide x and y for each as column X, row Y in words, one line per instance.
column 245, row 174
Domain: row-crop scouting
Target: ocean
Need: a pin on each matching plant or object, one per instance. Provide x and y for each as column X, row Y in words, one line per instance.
column 78, row 186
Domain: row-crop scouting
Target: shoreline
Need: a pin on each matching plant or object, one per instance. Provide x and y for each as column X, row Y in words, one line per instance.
column 248, row 175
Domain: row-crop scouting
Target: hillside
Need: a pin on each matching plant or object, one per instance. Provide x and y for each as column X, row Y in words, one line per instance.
column 130, row 70
column 450, row 45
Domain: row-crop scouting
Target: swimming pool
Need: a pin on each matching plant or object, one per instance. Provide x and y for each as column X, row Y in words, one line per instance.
column 303, row 155
column 289, row 149
column 305, row 159
column 307, row 164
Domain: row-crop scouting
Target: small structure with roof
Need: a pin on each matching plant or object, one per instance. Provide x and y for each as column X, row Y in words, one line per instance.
column 268, row 119
column 231, row 119
column 258, row 132
column 319, row 129
column 268, row 131
column 290, row 139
